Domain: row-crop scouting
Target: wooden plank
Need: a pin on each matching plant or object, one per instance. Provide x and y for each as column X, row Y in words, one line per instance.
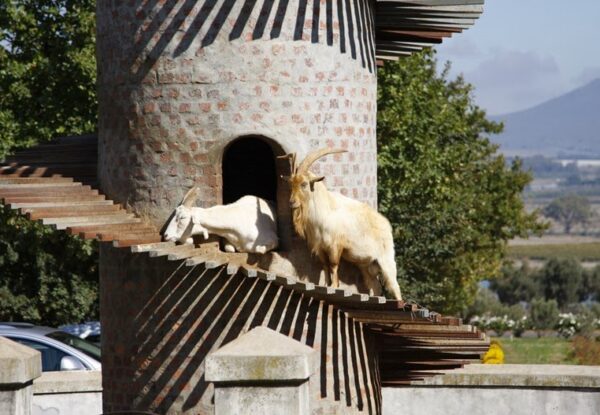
column 152, row 246
column 91, row 221
column 51, row 199
column 133, row 242
column 55, row 190
column 107, row 210
column 72, row 203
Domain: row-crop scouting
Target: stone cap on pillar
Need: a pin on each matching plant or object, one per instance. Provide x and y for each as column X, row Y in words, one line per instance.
column 18, row 364
column 262, row 355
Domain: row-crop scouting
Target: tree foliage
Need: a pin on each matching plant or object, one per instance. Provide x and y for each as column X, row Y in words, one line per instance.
column 48, row 277
column 47, row 70
column 451, row 198
column 516, row 284
column 47, row 89
column 544, row 314
column 569, row 210
column 561, row 280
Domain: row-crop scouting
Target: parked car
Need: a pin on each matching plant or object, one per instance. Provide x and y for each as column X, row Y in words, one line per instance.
column 89, row 330
column 60, row 350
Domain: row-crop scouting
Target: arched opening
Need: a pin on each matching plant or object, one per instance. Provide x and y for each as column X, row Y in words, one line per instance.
column 250, row 167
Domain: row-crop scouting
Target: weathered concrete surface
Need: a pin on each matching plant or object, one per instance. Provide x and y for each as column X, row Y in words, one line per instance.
column 262, row 355
column 500, row 390
column 288, row 400
column 67, row 393
column 540, row 376
column 262, row 372
column 68, row 381
column 19, row 365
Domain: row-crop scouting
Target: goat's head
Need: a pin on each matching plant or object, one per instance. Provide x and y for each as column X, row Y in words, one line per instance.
column 302, row 181
column 180, row 226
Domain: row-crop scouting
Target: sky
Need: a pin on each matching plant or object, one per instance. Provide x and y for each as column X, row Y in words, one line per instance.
column 521, row 53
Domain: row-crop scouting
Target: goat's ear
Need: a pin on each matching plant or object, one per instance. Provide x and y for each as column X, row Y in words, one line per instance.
column 315, row 180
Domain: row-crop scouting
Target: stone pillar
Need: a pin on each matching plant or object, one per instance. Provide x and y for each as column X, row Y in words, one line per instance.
column 262, row 372
column 19, row 366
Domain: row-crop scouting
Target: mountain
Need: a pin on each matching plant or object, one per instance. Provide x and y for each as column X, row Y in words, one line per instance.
column 567, row 126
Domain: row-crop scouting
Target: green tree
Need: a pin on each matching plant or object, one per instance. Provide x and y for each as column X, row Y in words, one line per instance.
column 561, row 280
column 543, row 314
column 48, row 277
column 569, row 210
column 47, row 71
column 47, row 89
column 516, row 284
column 452, row 199
column 590, row 289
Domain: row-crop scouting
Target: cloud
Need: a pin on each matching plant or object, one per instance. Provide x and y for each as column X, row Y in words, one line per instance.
column 459, row 48
column 509, row 80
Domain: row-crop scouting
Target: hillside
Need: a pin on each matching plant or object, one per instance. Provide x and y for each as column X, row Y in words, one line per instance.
column 567, row 125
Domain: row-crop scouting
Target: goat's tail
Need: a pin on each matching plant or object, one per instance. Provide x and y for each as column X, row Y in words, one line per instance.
column 389, row 275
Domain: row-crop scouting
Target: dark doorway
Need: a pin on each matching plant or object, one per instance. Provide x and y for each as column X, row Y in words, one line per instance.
column 249, row 169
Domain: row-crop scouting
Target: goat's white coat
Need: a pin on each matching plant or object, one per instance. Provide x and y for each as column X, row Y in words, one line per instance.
column 248, row 225
column 336, row 225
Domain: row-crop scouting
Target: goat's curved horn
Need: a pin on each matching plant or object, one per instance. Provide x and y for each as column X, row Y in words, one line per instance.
column 190, row 197
column 315, row 155
column 292, row 158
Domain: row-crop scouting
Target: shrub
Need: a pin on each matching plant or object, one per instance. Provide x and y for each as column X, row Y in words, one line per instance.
column 586, row 350
column 544, row 314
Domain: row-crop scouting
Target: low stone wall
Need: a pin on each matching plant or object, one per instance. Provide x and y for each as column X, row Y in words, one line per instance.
column 67, row 393
column 500, row 390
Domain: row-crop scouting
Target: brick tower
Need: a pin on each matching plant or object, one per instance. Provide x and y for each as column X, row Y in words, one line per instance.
column 187, row 89
column 209, row 93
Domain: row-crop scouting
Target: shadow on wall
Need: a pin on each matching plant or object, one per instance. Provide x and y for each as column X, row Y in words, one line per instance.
column 347, row 26
column 194, row 311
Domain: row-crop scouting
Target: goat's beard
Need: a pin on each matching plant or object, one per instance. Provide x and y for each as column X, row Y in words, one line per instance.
column 299, row 219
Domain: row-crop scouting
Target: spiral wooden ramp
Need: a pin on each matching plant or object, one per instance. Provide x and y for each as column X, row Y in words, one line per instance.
column 56, row 185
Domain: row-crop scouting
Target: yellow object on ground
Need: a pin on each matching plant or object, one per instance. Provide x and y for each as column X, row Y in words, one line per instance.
column 495, row 354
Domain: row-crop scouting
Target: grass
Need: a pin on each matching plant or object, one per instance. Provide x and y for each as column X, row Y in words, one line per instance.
column 542, row 351
column 581, row 251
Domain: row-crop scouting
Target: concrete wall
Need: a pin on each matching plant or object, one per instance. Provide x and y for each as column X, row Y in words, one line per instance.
column 67, row 393
column 178, row 81
column 501, row 390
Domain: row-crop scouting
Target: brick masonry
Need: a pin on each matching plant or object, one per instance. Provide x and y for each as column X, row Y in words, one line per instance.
column 178, row 81
column 161, row 319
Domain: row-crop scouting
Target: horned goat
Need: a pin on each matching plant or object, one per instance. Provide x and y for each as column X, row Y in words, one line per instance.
column 335, row 226
column 248, row 225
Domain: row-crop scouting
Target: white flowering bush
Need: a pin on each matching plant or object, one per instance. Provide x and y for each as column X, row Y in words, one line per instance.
column 498, row 324
column 568, row 325
column 521, row 325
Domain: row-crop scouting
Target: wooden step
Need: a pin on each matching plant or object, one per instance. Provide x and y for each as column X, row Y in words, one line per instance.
column 69, row 213
column 55, row 190
column 87, row 230
column 20, row 199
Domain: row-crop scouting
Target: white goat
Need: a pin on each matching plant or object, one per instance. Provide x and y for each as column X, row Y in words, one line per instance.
column 335, row 226
column 248, row 225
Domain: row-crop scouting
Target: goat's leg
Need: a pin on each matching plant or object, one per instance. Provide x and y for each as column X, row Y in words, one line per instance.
column 334, row 263
column 370, row 279
column 333, row 274
column 389, row 276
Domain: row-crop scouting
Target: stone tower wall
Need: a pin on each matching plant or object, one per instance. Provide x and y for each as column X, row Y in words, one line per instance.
column 179, row 80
